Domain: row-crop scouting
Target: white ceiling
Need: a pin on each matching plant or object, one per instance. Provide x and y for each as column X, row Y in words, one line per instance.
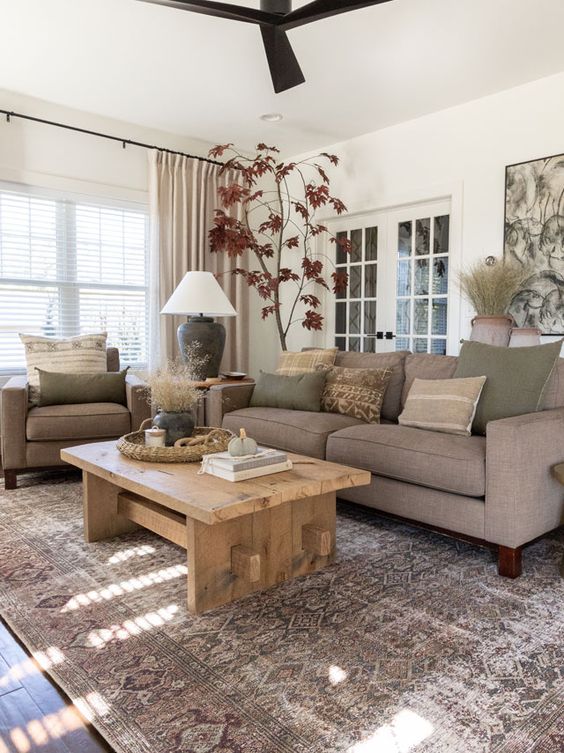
column 208, row 78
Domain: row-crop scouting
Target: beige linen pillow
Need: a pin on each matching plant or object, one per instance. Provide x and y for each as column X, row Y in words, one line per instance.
column 290, row 364
column 358, row 393
column 72, row 355
column 446, row 405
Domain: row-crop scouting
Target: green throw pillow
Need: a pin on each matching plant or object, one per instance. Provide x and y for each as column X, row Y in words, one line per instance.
column 299, row 392
column 63, row 389
column 516, row 378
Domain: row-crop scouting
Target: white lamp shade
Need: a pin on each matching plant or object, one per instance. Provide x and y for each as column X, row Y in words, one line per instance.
column 199, row 293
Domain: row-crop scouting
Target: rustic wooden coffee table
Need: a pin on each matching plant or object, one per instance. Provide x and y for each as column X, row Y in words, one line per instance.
column 240, row 537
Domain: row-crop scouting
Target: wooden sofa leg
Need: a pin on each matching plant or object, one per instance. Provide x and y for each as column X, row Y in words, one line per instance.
column 10, row 479
column 509, row 561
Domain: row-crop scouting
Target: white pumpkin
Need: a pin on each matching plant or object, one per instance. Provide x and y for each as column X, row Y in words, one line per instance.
column 242, row 445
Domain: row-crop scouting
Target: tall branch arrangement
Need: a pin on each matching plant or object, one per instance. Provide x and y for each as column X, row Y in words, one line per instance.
column 289, row 274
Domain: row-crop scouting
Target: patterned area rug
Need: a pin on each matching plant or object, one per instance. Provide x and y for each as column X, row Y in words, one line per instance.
column 409, row 643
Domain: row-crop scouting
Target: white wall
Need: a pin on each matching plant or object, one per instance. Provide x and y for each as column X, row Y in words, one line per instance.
column 464, row 149
column 55, row 158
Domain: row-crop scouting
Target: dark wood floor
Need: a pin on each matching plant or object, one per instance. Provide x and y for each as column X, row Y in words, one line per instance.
column 35, row 717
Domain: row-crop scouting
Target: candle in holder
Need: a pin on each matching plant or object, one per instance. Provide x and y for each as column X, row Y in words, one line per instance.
column 155, row 437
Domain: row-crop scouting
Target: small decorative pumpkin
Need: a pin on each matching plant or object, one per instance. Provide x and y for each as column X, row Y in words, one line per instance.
column 242, row 445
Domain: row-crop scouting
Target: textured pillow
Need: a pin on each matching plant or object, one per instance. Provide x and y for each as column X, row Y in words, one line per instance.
column 74, row 355
column 299, row 392
column 517, row 378
column 67, row 389
column 305, row 362
column 358, row 393
column 446, row 405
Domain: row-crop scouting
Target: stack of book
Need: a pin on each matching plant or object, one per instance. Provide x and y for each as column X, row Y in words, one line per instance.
column 263, row 463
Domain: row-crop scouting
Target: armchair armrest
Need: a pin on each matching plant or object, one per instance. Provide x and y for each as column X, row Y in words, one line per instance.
column 222, row 399
column 12, row 422
column 138, row 401
column 523, row 499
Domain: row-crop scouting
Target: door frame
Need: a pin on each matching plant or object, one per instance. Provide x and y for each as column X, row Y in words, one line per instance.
column 386, row 205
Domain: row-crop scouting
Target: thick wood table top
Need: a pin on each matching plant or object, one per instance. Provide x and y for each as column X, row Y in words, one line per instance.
column 207, row 498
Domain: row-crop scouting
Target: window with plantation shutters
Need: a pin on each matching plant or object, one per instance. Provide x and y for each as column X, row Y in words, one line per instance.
column 69, row 266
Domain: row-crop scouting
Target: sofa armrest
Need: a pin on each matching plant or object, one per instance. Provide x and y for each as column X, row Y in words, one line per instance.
column 224, row 398
column 138, row 401
column 523, row 499
column 13, row 420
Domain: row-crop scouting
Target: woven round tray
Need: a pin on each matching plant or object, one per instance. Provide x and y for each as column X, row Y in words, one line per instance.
column 204, row 440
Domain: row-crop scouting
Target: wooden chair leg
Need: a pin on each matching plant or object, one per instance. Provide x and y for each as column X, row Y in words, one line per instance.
column 509, row 563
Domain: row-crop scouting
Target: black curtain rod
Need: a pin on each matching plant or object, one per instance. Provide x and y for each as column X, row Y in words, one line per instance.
column 124, row 142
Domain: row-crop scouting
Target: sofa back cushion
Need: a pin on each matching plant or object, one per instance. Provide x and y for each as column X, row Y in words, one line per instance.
column 426, row 366
column 554, row 394
column 517, row 378
column 391, row 406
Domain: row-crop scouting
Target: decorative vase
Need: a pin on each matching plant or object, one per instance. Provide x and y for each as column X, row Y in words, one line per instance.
column 493, row 330
column 176, row 425
column 524, row 337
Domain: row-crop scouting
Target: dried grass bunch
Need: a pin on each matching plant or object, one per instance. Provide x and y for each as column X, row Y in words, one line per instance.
column 196, row 360
column 171, row 389
column 491, row 288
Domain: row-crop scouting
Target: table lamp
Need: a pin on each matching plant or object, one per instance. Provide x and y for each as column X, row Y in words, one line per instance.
column 200, row 297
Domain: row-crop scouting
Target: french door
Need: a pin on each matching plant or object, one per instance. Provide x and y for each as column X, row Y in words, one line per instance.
column 398, row 293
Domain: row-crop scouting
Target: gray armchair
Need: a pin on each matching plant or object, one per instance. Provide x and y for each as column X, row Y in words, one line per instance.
column 32, row 438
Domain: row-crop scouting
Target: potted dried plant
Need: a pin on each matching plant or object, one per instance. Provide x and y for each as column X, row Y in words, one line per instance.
column 174, row 396
column 490, row 286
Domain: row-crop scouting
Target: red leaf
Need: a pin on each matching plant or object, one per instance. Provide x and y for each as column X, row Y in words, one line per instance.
column 301, row 209
column 287, row 274
column 333, row 159
column 219, row 150
column 322, row 173
column 264, row 148
column 293, row 242
column 312, row 268
column 340, row 280
column 338, row 205
column 317, row 229
column 311, row 300
column 312, row 321
column 282, row 171
column 317, row 195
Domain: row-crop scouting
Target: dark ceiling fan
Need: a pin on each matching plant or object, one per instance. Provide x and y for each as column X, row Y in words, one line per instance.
column 275, row 17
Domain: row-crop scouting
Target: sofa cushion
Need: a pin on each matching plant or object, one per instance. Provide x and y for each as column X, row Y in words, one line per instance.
column 517, row 378
column 438, row 461
column 84, row 421
column 291, row 430
column 356, row 392
column 426, row 366
column 297, row 392
column 391, row 406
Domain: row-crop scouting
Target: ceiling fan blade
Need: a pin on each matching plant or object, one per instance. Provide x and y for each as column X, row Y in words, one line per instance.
column 284, row 67
column 319, row 9
column 221, row 10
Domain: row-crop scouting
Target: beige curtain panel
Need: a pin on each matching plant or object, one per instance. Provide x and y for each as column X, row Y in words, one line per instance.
column 183, row 197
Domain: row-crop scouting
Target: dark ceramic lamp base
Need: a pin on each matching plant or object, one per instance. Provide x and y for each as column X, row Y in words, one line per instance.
column 209, row 335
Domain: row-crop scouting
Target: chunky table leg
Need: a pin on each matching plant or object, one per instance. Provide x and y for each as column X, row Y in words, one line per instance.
column 229, row 560
column 101, row 518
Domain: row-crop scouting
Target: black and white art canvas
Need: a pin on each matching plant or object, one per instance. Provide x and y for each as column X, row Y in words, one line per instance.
column 534, row 236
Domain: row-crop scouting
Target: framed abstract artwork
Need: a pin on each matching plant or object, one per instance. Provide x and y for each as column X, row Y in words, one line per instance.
column 534, row 237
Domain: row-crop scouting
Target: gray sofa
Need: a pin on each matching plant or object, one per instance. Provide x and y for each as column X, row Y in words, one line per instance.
column 496, row 490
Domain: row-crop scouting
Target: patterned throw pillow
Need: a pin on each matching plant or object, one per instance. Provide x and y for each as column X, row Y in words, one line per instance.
column 73, row 355
column 446, row 405
column 355, row 392
column 305, row 362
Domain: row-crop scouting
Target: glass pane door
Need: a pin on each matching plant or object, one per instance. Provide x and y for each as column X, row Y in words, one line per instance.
column 422, row 283
column 356, row 307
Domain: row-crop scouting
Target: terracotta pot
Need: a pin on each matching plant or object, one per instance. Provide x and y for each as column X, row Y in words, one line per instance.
column 523, row 337
column 493, row 330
